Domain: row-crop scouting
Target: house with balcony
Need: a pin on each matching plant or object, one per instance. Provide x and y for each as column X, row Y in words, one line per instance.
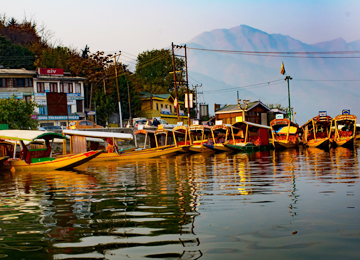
column 255, row 112
column 162, row 105
column 34, row 85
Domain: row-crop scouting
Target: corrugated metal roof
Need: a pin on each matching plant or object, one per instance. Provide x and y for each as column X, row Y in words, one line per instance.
column 17, row 72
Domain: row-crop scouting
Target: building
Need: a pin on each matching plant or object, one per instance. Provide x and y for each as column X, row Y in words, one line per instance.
column 162, row 106
column 255, row 112
column 34, row 85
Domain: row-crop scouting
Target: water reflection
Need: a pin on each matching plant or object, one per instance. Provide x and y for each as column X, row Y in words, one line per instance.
column 186, row 207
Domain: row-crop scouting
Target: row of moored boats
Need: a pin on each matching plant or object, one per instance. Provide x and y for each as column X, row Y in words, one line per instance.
column 28, row 149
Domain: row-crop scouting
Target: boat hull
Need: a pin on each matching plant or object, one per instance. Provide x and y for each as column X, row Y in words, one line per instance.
column 248, row 147
column 279, row 144
column 200, row 149
column 63, row 162
column 218, row 147
column 137, row 154
column 348, row 142
column 325, row 142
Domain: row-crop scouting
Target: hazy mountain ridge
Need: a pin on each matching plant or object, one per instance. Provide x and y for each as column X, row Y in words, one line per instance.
column 310, row 83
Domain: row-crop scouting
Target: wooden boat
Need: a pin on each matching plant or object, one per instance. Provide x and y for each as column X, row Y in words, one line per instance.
column 181, row 138
column 39, row 159
column 343, row 130
column 112, row 150
column 316, row 131
column 219, row 134
column 285, row 133
column 199, row 135
column 357, row 136
column 247, row 136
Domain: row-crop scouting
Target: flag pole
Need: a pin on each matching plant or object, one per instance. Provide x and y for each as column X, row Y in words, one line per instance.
column 287, row 78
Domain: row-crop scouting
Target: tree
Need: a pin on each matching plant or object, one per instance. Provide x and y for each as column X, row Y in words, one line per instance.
column 14, row 56
column 153, row 71
column 17, row 113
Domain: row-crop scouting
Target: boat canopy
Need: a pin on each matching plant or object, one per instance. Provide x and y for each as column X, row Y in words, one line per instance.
column 29, row 135
column 345, row 118
column 99, row 134
column 144, row 132
column 318, row 120
column 238, row 124
column 283, row 122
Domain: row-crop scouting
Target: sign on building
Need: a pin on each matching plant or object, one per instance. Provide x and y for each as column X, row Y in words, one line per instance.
column 51, row 71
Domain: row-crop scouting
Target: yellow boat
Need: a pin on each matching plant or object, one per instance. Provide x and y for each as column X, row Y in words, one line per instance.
column 181, row 132
column 343, row 130
column 316, row 131
column 219, row 134
column 78, row 139
column 39, row 159
column 247, row 136
column 285, row 134
column 199, row 135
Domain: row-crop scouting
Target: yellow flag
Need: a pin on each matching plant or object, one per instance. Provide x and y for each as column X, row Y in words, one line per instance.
column 282, row 68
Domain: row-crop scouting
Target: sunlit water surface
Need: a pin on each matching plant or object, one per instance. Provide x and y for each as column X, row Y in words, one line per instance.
column 292, row 204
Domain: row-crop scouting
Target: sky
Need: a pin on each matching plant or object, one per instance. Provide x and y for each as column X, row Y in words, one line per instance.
column 135, row 26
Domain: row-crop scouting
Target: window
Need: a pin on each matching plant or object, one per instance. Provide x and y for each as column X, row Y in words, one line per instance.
column 166, row 106
column 89, row 123
column 69, row 109
column 71, row 90
column 157, row 106
column 170, row 108
column 66, row 87
column 43, row 110
column 61, row 88
column 40, row 88
column 28, row 83
column 2, row 83
column 77, row 88
column 83, row 123
column 161, row 105
column 20, row 83
column 53, row 87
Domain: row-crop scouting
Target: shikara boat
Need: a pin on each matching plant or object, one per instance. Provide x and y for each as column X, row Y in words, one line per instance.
column 199, row 135
column 39, row 159
column 343, row 130
column 247, row 136
column 316, row 132
column 181, row 138
column 219, row 137
column 285, row 133
column 78, row 138
column 357, row 136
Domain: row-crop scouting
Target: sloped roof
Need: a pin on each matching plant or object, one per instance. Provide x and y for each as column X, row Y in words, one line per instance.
column 235, row 108
column 146, row 95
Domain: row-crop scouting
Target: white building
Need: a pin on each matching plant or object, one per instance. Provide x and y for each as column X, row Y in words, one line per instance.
column 34, row 85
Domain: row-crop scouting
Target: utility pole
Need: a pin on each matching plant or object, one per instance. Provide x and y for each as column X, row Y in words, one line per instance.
column 187, row 87
column 117, row 87
column 196, row 100
column 130, row 119
column 287, row 78
column 174, row 71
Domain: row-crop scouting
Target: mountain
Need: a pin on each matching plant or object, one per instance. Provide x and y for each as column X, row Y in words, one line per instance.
column 318, row 84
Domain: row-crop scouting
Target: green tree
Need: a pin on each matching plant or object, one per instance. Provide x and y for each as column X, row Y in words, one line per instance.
column 17, row 113
column 14, row 56
column 154, row 72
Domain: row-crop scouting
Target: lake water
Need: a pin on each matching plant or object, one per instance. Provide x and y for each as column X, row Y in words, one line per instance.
column 292, row 204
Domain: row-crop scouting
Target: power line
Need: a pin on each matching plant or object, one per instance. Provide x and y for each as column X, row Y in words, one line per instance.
column 287, row 54
column 263, row 84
